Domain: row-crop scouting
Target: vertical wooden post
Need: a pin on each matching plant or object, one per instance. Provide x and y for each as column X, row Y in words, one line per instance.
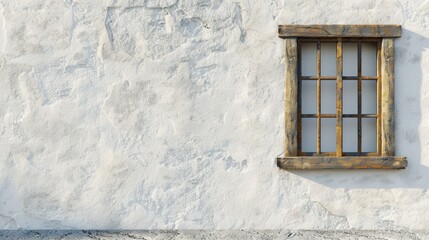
column 339, row 115
column 291, row 97
column 387, row 98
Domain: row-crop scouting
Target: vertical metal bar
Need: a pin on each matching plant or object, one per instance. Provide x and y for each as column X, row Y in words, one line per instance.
column 291, row 97
column 379, row 97
column 359, row 97
column 339, row 101
column 319, row 98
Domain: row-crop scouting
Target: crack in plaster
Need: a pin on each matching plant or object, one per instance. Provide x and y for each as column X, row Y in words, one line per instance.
column 329, row 212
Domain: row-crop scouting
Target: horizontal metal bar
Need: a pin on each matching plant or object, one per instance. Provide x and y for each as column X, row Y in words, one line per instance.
column 334, row 78
column 360, row 115
column 361, row 77
column 318, row 115
column 334, row 154
column 316, row 78
column 344, row 115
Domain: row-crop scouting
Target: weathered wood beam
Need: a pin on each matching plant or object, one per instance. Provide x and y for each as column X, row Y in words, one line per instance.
column 291, row 97
column 387, row 98
column 339, row 99
column 317, row 31
column 361, row 162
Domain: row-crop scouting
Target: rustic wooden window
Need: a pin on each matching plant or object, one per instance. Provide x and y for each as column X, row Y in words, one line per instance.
column 339, row 38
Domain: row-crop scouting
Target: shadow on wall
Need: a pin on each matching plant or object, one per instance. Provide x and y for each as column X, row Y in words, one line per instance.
column 408, row 84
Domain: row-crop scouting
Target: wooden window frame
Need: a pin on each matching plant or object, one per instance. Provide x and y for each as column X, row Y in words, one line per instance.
column 384, row 158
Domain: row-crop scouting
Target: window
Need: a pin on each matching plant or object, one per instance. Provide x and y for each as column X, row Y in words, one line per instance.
column 339, row 97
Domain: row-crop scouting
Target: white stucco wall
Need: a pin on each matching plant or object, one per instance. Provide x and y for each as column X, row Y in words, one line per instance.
column 168, row 114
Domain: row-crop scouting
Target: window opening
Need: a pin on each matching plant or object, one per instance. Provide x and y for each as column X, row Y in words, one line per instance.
column 339, row 97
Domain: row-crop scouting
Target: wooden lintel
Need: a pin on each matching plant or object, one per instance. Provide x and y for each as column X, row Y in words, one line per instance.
column 345, row 31
column 359, row 162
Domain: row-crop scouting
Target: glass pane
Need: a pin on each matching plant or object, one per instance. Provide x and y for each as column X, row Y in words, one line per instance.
column 309, row 133
column 350, row 97
column 328, row 135
column 328, row 96
column 369, row 97
column 369, row 59
column 328, row 59
column 308, row 59
column 350, row 134
column 309, row 97
column 369, row 133
column 350, row 62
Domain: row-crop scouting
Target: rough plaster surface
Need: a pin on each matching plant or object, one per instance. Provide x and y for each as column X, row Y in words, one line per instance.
column 209, row 234
column 168, row 114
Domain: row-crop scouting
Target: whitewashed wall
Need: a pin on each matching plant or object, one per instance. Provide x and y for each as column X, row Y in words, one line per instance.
column 168, row 114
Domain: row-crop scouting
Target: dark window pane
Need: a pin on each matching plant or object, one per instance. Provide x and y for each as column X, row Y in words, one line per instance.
column 350, row 135
column 308, row 59
column 309, row 97
column 309, row 131
column 328, row 59
column 350, row 59
column 369, row 133
column 328, row 96
column 350, row 97
column 328, row 137
column 369, row 59
column 369, row 97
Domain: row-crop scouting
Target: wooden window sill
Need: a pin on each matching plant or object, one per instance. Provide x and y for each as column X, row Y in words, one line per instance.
column 329, row 162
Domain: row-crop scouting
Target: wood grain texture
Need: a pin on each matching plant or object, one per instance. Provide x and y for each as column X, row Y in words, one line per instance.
column 387, row 98
column 312, row 163
column 291, row 98
column 339, row 99
column 318, row 31
column 384, row 158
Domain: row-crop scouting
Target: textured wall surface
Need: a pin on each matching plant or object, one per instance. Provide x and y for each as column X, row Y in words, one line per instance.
column 168, row 114
column 213, row 234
